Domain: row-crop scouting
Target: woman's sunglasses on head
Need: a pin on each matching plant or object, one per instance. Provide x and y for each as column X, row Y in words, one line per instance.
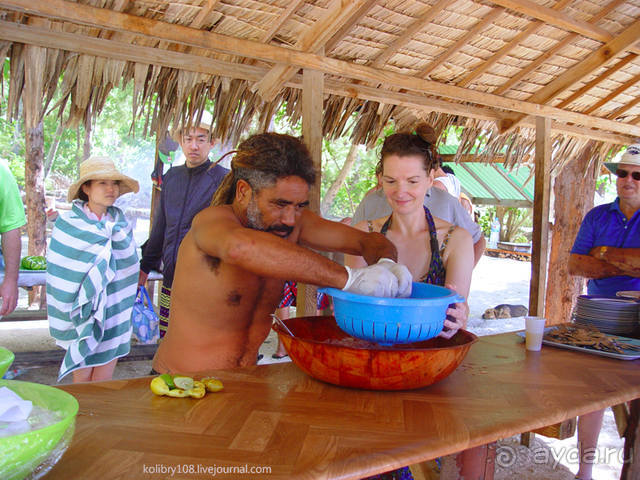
column 623, row 173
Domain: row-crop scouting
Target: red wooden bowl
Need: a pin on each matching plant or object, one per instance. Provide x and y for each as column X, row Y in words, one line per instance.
column 321, row 349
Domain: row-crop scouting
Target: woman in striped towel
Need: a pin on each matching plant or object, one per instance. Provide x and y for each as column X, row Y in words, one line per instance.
column 92, row 274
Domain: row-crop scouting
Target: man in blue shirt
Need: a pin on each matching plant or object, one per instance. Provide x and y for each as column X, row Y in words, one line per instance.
column 607, row 248
column 607, row 252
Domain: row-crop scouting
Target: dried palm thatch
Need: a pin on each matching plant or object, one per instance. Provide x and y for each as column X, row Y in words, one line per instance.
column 476, row 64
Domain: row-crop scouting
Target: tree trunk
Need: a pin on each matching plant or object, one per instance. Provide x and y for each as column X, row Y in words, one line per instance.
column 34, row 187
column 574, row 190
column 332, row 191
column 35, row 59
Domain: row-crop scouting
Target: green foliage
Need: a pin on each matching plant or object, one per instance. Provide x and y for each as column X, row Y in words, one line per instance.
column 485, row 219
column 12, row 147
column 111, row 136
column 606, row 186
column 514, row 222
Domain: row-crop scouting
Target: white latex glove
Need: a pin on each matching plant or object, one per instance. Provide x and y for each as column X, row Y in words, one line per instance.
column 402, row 273
column 374, row 280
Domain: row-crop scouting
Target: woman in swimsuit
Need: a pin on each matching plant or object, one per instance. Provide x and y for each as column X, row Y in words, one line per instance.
column 435, row 251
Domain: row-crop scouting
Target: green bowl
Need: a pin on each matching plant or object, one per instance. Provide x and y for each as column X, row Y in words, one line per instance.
column 38, row 451
column 6, row 359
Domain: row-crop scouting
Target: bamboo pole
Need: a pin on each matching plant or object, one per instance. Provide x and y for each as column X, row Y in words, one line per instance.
column 312, row 100
column 539, row 252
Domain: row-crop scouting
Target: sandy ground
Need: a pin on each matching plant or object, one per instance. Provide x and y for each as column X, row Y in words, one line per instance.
column 495, row 281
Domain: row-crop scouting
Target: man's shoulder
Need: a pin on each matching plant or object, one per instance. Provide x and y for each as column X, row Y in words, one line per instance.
column 174, row 172
column 600, row 211
column 213, row 213
column 217, row 172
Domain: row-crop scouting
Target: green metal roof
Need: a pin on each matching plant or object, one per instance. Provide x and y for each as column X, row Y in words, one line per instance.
column 492, row 184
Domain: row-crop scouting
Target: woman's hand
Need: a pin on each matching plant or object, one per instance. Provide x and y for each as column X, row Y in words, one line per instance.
column 457, row 316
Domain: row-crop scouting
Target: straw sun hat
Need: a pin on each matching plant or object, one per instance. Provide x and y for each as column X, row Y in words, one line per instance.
column 630, row 157
column 101, row 168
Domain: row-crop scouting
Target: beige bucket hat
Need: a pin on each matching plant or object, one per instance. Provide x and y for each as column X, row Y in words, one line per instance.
column 630, row 157
column 205, row 123
column 101, row 168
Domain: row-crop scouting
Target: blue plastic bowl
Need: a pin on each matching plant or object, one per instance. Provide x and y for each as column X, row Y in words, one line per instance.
column 388, row 321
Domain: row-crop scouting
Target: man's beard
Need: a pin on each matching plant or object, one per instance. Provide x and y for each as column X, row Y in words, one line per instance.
column 256, row 222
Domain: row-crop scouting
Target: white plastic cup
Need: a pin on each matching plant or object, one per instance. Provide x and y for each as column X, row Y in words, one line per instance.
column 534, row 330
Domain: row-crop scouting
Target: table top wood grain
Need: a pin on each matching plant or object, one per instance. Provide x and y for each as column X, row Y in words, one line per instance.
column 276, row 416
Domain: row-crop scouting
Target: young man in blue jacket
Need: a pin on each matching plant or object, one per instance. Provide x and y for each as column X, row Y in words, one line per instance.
column 186, row 190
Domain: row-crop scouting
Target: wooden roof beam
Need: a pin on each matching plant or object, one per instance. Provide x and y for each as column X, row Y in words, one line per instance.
column 290, row 10
column 338, row 13
column 348, row 25
column 626, row 85
column 560, row 20
column 430, row 104
column 202, row 14
column 594, row 61
column 624, row 108
column 464, row 40
column 202, row 64
column 502, row 203
column 108, row 19
column 409, row 33
column 504, row 51
column 613, row 69
column 533, row 66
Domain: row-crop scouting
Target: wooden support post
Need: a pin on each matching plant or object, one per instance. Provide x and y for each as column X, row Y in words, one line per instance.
column 312, row 103
column 540, row 242
column 155, row 200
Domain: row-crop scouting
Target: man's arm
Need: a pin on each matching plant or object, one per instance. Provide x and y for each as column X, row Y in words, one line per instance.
column 478, row 249
column 9, row 288
column 627, row 260
column 590, row 267
column 153, row 251
column 217, row 232
column 321, row 234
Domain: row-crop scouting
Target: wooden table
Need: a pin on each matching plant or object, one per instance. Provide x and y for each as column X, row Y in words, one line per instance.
column 278, row 417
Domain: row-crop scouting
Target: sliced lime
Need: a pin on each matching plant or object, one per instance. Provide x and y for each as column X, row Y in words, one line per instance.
column 185, row 383
column 168, row 379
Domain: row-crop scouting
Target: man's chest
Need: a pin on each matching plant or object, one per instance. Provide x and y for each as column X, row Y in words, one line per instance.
column 618, row 231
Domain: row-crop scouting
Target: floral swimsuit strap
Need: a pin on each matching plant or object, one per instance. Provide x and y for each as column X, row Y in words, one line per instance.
column 436, row 273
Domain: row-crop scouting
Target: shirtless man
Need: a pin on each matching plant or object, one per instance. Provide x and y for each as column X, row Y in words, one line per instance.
column 233, row 262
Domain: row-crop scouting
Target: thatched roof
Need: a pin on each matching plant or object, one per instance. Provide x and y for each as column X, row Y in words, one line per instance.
column 489, row 65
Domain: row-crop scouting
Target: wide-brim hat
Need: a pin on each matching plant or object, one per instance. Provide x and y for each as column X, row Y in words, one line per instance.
column 101, row 168
column 630, row 157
